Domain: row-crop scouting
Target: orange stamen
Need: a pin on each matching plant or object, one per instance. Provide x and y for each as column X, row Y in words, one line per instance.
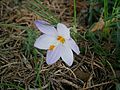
column 51, row 47
column 61, row 39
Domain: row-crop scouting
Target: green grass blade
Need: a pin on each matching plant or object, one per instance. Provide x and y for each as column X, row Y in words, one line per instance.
column 11, row 85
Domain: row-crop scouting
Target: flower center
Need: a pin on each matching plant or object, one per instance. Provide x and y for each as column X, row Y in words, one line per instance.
column 51, row 47
column 61, row 39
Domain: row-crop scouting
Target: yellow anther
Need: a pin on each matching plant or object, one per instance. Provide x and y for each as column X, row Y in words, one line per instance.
column 51, row 47
column 61, row 39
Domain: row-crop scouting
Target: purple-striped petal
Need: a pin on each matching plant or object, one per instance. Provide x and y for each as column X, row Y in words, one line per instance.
column 45, row 27
column 53, row 55
column 67, row 54
column 44, row 41
column 73, row 46
column 63, row 30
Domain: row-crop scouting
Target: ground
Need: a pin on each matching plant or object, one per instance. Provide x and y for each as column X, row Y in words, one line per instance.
column 23, row 67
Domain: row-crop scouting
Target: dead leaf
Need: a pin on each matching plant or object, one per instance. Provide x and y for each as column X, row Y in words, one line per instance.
column 99, row 25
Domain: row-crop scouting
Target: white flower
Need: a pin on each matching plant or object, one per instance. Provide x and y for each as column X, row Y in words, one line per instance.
column 57, row 41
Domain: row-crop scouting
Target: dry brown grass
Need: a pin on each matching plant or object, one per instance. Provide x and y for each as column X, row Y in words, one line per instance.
column 87, row 72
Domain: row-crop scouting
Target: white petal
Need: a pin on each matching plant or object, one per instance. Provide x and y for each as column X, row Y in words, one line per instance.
column 53, row 55
column 44, row 41
column 45, row 27
column 63, row 30
column 43, row 22
column 73, row 46
column 67, row 54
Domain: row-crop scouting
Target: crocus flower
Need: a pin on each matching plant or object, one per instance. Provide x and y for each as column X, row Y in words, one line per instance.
column 57, row 41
